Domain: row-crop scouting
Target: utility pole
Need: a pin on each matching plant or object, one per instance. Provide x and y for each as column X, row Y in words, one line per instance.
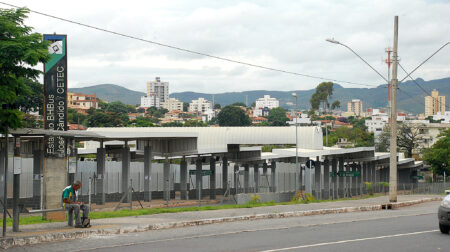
column 389, row 62
column 296, row 140
column 393, row 142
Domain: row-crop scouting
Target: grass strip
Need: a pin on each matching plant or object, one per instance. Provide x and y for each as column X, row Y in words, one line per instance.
column 27, row 220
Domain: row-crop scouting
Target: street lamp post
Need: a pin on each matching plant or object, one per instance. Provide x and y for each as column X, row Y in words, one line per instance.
column 344, row 45
column 393, row 111
column 393, row 116
column 296, row 141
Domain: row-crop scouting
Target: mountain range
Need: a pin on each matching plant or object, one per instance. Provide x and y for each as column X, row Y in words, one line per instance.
column 410, row 95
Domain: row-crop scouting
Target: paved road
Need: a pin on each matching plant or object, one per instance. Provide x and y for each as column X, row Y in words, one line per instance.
column 407, row 229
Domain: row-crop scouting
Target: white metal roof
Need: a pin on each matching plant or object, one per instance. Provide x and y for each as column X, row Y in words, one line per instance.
column 327, row 151
column 216, row 139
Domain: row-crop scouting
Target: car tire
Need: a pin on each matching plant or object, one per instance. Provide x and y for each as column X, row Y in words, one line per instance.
column 444, row 228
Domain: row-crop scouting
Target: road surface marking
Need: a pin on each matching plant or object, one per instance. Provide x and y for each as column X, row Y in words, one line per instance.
column 348, row 241
column 247, row 230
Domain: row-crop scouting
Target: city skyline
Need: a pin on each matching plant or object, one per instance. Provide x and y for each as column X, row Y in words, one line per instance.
column 239, row 30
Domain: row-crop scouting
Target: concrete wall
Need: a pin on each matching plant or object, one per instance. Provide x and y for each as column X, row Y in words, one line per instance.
column 55, row 180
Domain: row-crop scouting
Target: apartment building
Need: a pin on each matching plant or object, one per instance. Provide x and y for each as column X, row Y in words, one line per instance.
column 355, row 106
column 172, row 104
column 81, row 101
column 200, row 105
column 150, row 101
column 158, row 89
column 434, row 104
column 264, row 105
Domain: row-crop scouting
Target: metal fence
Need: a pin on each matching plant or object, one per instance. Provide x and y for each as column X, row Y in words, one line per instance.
column 287, row 179
column 26, row 177
column 113, row 177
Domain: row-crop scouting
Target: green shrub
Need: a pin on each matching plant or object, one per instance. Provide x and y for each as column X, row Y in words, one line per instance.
column 385, row 184
column 369, row 188
column 309, row 198
column 302, row 197
column 254, row 199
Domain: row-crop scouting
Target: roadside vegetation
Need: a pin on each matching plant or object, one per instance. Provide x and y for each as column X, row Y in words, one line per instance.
column 27, row 220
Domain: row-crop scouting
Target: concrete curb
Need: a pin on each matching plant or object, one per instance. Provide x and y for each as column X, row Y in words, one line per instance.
column 49, row 237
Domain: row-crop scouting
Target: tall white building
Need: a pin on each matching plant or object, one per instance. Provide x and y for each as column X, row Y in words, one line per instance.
column 158, row 89
column 265, row 102
column 200, row 105
column 355, row 106
column 150, row 101
column 172, row 104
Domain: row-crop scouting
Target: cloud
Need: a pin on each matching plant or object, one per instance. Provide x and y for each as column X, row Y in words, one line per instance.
column 288, row 35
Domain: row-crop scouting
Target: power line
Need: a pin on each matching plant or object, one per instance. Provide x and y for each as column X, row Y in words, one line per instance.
column 426, row 92
column 423, row 89
column 410, row 96
column 423, row 62
column 192, row 51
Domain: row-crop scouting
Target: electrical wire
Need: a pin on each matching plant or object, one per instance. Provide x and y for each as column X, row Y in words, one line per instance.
column 423, row 89
column 410, row 96
column 191, row 51
column 423, row 62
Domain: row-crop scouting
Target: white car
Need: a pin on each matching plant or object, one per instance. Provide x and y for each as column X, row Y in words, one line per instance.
column 444, row 215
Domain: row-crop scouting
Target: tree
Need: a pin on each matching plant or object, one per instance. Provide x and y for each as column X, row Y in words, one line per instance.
column 438, row 156
column 172, row 124
column 29, row 121
column 185, row 106
column 74, row 117
column 233, row 116
column 358, row 136
column 342, row 119
column 358, row 123
column 20, row 51
column 157, row 112
column 104, row 119
column 117, row 107
column 383, row 141
column 277, row 117
column 217, row 106
column 101, row 104
column 34, row 101
column 131, row 108
column 194, row 123
column 315, row 101
column 238, row 104
column 336, row 104
column 213, row 121
column 141, row 121
column 430, row 118
column 263, row 124
column 408, row 138
column 323, row 93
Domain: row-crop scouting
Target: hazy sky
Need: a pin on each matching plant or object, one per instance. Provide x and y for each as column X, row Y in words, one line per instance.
column 288, row 35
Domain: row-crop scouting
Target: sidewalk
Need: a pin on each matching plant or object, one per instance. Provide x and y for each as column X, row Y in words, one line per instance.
column 37, row 233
